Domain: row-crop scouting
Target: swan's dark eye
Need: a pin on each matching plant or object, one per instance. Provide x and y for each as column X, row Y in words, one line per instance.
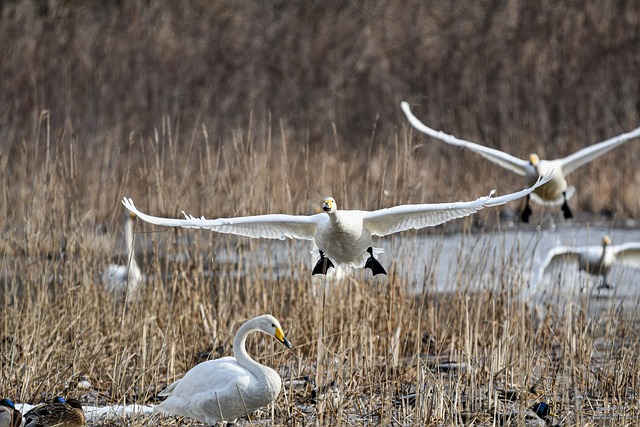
column 273, row 325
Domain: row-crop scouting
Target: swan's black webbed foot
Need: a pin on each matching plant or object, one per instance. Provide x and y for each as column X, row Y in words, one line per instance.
column 323, row 265
column 526, row 212
column 565, row 207
column 373, row 264
column 604, row 285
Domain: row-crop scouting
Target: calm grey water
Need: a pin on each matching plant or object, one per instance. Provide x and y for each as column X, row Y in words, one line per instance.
column 477, row 260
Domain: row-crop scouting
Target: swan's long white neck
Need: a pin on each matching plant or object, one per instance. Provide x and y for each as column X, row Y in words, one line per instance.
column 606, row 248
column 240, row 352
column 128, row 235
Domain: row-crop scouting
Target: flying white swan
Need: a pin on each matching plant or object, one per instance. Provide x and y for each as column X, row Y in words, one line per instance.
column 342, row 237
column 554, row 192
column 596, row 260
column 230, row 387
column 121, row 278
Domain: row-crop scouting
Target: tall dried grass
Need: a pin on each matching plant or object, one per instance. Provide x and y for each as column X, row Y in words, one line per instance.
column 376, row 340
column 520, row 77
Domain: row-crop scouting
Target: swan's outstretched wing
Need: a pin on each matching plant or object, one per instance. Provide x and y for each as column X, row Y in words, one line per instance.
column 555, row 258
column 628, row 254
column 406, row 217
column 501, row 200
column 275, row 226
column 581, row 157
column 498, row 157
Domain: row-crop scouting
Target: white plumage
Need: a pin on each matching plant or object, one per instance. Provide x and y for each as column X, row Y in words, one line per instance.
column 124, row 278
column 596, row 260
column 556, row 190
column 230, row 387
column 342, row 237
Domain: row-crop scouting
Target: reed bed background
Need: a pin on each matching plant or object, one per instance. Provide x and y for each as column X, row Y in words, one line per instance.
column 237, row 108
column 376, row 339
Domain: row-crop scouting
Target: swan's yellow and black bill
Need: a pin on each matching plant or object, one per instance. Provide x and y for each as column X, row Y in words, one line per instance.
column 327, row 205
column 280, row 337
column 534, row 160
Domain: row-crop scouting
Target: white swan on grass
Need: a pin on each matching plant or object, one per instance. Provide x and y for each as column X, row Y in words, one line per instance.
column 342, row 237
column 230, row 387
column 596, row 260
column 124, row 278
column 556, row 191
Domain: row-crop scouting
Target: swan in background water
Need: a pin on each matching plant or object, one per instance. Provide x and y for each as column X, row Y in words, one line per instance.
column 230, row 387
column 124, row 278
column 556, row 191
column 596, row 260
column 342, row 237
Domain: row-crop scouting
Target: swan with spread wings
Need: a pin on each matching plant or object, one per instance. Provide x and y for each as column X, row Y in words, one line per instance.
column 556, row 191
column 596, row 260
column 343, row 237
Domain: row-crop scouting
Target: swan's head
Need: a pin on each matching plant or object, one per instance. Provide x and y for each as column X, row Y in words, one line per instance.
column 534, row 160
column 329, row 205
column 131, row 215
column 270, row 325
column 606, row 240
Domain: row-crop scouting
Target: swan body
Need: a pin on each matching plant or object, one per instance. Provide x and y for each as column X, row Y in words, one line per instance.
column 596, row 260
column 342, row 237
column 124, row 278
column 9, row 415
column 556, row 190
column 230, row 387
column 59, row 413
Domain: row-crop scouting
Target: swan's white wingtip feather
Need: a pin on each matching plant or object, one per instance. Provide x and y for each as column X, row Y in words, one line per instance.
column 546, row 178
column 128, row 203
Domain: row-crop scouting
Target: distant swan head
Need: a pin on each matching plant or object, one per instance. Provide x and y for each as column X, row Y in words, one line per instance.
column 534, row 160
column 329, row 205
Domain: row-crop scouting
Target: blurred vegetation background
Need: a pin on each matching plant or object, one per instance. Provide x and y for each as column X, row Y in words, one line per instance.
column 244, row 107
column 106, row 88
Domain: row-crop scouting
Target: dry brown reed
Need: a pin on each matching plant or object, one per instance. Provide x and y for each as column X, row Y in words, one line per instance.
column 193, row 107
column 375, row 340
column 517, row 76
